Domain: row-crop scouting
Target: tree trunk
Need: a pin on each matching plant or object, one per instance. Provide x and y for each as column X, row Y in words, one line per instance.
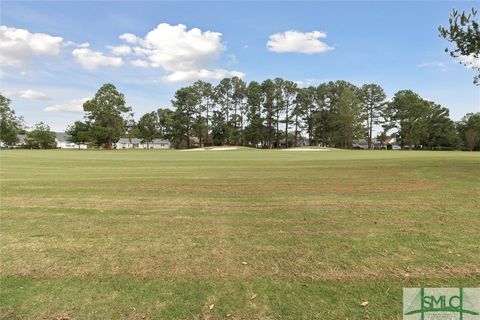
column 369, row 120
column 206, row 127
column 276, row 133
column 410, row 133
column 296, row 130
column 286, row 126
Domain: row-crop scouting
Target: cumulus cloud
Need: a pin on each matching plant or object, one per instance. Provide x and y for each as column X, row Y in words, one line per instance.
column 186, row 55
column 470, row 61
column 33, row 95
column 122, row 50
column 19, row 45
column 91, row 60
column 140, row 63
column 75, row 105
column 295, row 41
column 175, row 48
column 129, row 37
column 203, row 74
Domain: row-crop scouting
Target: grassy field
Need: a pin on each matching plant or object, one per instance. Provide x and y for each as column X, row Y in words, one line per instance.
column 244, row 234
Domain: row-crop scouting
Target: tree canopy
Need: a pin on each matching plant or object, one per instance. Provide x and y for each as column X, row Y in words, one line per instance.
column 105, row 116
column 10, row 124
column 463, row 31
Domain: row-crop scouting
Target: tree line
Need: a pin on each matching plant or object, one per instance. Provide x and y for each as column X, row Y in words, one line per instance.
column 271, row 114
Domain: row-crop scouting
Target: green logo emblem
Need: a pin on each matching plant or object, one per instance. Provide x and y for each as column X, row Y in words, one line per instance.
column 441, row 303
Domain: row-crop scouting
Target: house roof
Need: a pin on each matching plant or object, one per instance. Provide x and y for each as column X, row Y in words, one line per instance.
column 138, row 141
column 21, row 138
column 127, row 140
column 61, row 136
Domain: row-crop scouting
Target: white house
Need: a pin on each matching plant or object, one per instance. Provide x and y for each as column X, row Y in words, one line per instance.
column 136, row 143
column 63, row 143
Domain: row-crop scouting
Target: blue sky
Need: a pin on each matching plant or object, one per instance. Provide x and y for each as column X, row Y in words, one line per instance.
column 394, row 44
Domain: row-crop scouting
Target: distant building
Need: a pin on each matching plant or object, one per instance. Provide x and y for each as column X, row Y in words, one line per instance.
column 391, row 143
column 21, row 140
column 136, row 143
column 363, row 144
column 61, row 138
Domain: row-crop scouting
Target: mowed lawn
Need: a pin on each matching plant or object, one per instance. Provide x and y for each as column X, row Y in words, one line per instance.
column 244, row 234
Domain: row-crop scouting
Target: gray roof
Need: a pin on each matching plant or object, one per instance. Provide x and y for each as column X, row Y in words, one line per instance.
column 21, row 138
column 364, row 142
column 138, row 141
column 127, row 140
column 61, row 136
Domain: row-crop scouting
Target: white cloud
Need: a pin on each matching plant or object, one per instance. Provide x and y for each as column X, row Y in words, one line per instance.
column 91, row 60
column 122, row 50
column 19, row 45
column 295, row 41
column 33, row 95
column 308, row 82
column 129, row 37
column 175, row 48
column 470, row 61
column 2, row 74
column 202, row 74
column 75, row 105
column 140, row 63
column 186, row 55
column 434, row 64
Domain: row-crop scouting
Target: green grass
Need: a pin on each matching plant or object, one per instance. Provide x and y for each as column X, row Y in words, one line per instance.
column 166, row 234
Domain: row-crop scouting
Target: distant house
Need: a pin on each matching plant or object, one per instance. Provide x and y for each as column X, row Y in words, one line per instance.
column 136, row 143
column 61, row 138
column 21, row 140
column 391, row 143
column 360, row 144
column 160, row 144
column 363, row 144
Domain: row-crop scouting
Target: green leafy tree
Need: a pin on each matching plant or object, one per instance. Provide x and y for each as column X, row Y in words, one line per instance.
column 10, row 124
column 224, row 95
column 469, row 131
column 254, row 131
column 278, row 107
column 373, row 103
column 185, row 104
column 218, row 127
column 345, row 120
column 78, row 133
column 463, row 31
column 105, row 115
column 322, row 113
column 238, row 102
column 41, row 137
column 288, row 91
column 165, row 123
column 269, row 111
column 205, row 92
column 441, row 132
column 148, row 127
column 409, row 111
column 305, row 110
